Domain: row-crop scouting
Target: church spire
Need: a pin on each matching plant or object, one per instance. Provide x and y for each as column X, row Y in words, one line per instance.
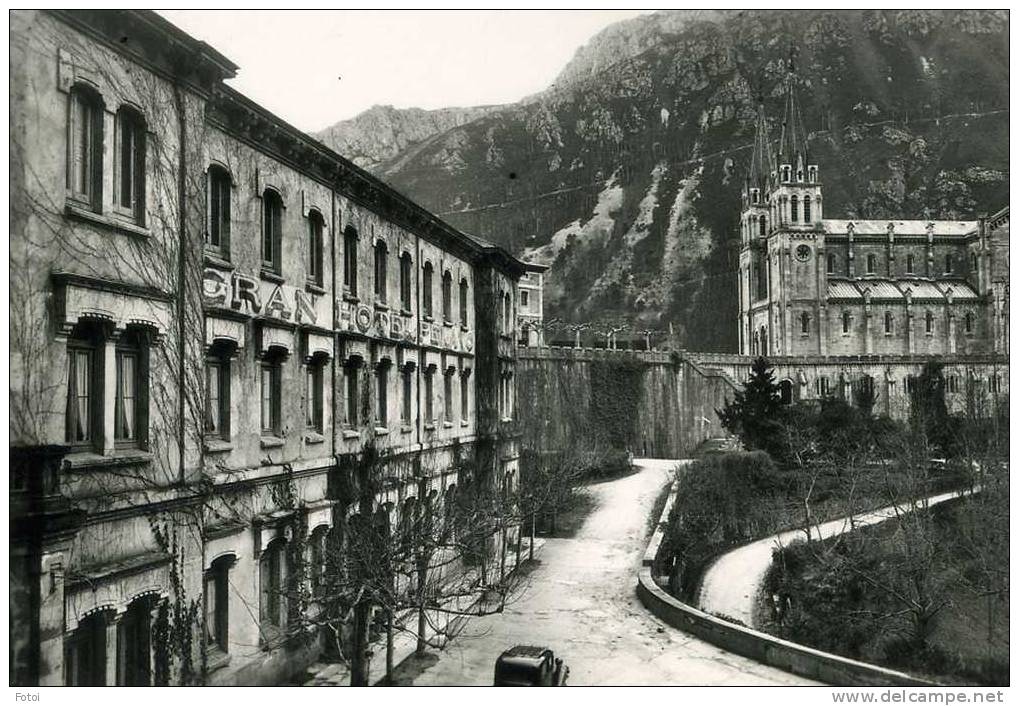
column 792, row 144
column 762, row 162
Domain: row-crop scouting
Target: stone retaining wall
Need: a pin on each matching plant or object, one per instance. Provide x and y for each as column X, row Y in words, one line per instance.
column 767, row 649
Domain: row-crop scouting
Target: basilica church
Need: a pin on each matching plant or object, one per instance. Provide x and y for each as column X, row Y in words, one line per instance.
column 816, row 286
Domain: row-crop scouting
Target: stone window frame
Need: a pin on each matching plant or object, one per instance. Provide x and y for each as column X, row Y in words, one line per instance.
column 380, row 254
column 316, row 248
column 350, row 238
column 217, row 635
column 90, row 101
column 218, row 180
column 129, row 121
column 273, row 214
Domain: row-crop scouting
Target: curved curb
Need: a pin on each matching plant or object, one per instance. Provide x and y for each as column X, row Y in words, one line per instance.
column 767, row 649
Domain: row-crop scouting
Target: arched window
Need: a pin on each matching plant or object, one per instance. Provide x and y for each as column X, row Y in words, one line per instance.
column 463, row 302
column 871, row 264
column 217, row 603
column 134, row 644
column 948, row 263
column 272, row 580
column 785, row 392
column 315, row 254
column 756, row 343
column 762, row 225
column 272, row 230
column 85, row 148
column 806, row 209
column 973, row 267
column 813, row 174
column 805, row 323
column 318, row 544
column 910, row 264
column 794, row 209
column 381, row 267
column 764, row 341
column 217, row 229
column 350, row 260
column 130, row 163
column 85, row 651
column 929, row 322
column 426, row 289
column 447, row 296
column 888, row 322
column 969, row 322
column 406, row 273
column 845, row 322
column 786, row 169
column 832, row 263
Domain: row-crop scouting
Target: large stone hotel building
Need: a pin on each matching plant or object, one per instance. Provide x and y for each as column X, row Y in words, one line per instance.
column 215, row 319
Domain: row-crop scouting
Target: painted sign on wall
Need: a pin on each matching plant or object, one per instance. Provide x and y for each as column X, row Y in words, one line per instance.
column 360, row 318
column 257, row 297
column 364, row 319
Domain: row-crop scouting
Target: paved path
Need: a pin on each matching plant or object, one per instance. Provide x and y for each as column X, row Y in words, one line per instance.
column 731, row 583
column 581, row 602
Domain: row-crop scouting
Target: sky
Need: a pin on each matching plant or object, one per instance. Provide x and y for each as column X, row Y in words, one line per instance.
column 315, row 68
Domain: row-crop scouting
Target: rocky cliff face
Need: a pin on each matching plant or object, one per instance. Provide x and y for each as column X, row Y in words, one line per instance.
column 625, row 175
column 382, row 132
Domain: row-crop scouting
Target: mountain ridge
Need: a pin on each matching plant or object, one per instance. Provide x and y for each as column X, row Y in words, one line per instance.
column 624, row 174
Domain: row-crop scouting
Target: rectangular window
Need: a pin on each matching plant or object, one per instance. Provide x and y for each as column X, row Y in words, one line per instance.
column 405, row 277
column 85, row 159
column 465, row 397
column 315, row 227
column 381, row 270
column 217, row 604
column 130, row 147
column 350, row 261
column 272, row 231
column 270, row 395
column 217, row 398
column 319, row 548
column 272, row 580
column 313, row 396
column 447, row 393
column 127, row 407
column 382, row 394
column 523, row 298
column 217, row 237
column 429, row 407
column 406, row 406
column 352, row 395
column 81, row 399
column 426, row 289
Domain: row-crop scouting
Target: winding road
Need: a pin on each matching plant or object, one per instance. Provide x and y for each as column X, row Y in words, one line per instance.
column 730, row 584
column 581, row 603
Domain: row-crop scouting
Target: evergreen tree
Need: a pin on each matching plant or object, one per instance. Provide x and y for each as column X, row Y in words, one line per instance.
column 929, row 410
column 754, row 414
